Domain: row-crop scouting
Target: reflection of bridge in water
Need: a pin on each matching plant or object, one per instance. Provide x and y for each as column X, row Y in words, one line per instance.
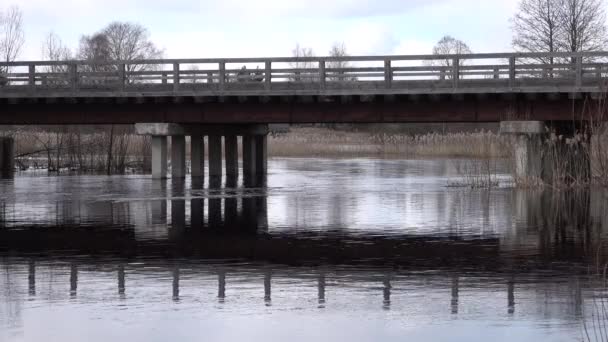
column 329, row 281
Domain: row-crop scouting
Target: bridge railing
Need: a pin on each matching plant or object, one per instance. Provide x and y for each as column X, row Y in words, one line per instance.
column 314, row 75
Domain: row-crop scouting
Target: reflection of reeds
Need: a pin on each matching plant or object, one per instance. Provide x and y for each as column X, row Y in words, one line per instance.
column 326, row 142
column 476, row 173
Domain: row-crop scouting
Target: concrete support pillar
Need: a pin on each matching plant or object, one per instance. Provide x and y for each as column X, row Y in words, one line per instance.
column 178, row 156
column 261, row 154
column 528, row 154
column 249, row 152
column 215, row 156
column 197, row 156
column 159, row 157
column 7, row 157
column 231, row 156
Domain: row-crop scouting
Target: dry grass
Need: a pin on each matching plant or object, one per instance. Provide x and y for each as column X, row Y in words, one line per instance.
column 326, row 142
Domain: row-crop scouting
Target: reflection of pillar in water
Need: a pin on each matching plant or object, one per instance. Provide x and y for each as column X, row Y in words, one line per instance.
column 196, row 212
column 511, row 296
column 578, row 298
column 31, row 278
column 386, row 293
column 197, row 204
column 178, row 213
column 230, row 211
column 321, row 289
column 455, row 286
column 221, row 288
column 262, row 212
column 176, row 283
column 121, row 280
column 215, row 203
column 267, row 287
column 73, row 279
column 178, row 205
column 159, row 207
column 249, row 214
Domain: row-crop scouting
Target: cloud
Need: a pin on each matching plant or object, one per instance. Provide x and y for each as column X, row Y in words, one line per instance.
column 239, row 28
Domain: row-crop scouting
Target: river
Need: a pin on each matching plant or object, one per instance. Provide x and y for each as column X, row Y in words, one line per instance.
column 323, row 250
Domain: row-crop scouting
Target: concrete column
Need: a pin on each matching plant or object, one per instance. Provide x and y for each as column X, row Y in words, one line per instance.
column 215, row 156
column 178, row 156
column 7, row 157
column 231, row 156
column 528, row 152
column 159, row 157
column 261, row 154
column 197, row 156
column 249, row 152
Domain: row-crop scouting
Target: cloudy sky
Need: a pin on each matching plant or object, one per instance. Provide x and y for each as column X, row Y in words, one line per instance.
column 240, row 28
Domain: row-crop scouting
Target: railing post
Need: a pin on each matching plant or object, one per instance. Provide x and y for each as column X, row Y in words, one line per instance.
column 455, row 71
column 164, row 77
column 222, row 75
column 388, row 74
column 122, row 76
column 268, row 76
column 175, row 76
column 322, row 74
column 73, row 74
column 496, row 73
column 598, row 71
column 512, row 73
column 32, row 76
column 579, row 71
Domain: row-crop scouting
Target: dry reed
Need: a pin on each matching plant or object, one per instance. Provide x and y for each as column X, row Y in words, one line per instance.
column 326, row 142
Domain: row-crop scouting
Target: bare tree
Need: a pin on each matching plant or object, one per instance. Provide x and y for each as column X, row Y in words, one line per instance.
column 338, row 50
column 11, row 37
column 449, row 45
column 584, row 25
column 131, row 42
column 302, row 52
column 537, row 27
column 559, row 26
column 53, row 49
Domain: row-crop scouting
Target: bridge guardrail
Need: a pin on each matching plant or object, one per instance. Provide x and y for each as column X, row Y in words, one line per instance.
column 475, row 73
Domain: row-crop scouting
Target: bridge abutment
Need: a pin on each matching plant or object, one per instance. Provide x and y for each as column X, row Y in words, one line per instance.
column 549, row 153
column 528, row 157
column 254, row 147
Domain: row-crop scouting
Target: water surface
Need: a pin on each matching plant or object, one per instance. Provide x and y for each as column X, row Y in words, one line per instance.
column 324, row 249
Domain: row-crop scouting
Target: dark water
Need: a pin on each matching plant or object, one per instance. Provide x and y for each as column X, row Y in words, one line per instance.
column 325, row 250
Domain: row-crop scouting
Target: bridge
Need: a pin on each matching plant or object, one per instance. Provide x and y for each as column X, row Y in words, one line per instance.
column 240, row 96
